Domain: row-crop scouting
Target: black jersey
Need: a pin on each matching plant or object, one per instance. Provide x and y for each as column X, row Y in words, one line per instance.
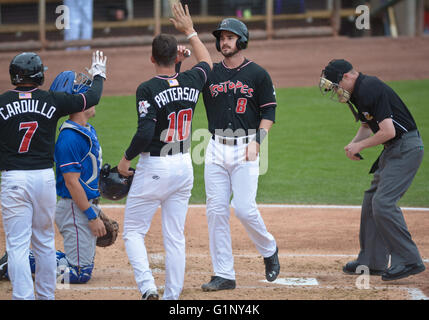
column 28, row 120
column 165, row 107
column 376, row 101
column 237, row 99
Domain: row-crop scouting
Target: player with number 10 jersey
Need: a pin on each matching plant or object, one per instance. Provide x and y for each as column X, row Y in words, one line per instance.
column 164, row 174
column 169, row 102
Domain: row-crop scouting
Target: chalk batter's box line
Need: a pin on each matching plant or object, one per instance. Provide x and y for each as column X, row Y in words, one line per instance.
column 286, row 255
column 291, row 206
column 414, row 293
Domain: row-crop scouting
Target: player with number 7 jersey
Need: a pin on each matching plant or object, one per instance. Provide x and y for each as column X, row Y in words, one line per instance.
column 28, row 121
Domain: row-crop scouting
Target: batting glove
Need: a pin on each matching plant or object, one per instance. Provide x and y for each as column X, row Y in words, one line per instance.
column 98, row 66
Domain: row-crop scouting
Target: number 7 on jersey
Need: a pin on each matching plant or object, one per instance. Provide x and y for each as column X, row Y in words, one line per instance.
column 30, row 128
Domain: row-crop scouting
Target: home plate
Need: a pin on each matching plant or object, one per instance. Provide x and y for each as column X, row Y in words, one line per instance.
column 295, row 281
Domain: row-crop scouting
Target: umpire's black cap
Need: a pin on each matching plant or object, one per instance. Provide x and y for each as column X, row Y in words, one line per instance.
column 335, row 70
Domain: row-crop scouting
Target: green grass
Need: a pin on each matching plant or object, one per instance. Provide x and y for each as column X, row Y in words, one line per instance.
column 307, row 164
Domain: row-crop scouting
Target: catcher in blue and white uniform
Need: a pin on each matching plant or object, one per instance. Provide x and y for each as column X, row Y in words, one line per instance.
column 78, row 163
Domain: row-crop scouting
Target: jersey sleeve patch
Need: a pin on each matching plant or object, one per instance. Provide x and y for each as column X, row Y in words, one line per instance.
column 143, row 108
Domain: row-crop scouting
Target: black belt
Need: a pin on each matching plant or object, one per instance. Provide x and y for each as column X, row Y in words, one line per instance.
column 158, row 154
column 232, row 141
column 411, row 133
column 176, row 148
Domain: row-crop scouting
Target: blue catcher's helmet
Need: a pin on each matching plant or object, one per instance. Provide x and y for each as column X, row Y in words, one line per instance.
column 71, row 82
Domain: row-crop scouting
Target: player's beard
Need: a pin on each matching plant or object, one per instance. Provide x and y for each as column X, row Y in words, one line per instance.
column 230, row 53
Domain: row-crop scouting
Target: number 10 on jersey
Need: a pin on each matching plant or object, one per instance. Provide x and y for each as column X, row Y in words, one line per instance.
column 179, row 126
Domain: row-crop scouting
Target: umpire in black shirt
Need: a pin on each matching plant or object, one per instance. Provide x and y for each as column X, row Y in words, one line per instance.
column 384, row 120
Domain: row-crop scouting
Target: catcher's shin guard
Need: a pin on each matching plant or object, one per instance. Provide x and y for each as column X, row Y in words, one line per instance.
column 3, row 267
column 81, row 274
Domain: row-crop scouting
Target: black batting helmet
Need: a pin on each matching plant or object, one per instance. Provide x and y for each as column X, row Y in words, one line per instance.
column 235, row 26
column 112, row 185
column 27, row 68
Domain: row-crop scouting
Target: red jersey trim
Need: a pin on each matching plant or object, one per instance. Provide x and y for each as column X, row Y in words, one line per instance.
column 238, row 68
column 25, row 91
column 268, row 104
column 69, row 164
column 167, row 78
column 205, row 74
column 84, row 100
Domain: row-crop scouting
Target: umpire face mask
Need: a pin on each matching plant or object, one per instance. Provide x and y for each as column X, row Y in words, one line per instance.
column 334, row 90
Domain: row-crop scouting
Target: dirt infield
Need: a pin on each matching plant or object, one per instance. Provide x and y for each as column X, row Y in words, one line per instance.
column 290, row 62
column 313, row 245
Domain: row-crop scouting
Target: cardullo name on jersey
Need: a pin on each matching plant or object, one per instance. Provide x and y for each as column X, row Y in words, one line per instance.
column 25, row 106
column 176, row 94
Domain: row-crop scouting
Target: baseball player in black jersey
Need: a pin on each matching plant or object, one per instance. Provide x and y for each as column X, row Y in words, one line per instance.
column 240, row 104
column 386, row 120
column 164, row 175
column 28, row 120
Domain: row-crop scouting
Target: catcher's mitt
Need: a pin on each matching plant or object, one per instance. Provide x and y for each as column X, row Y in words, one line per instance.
column 112, row 229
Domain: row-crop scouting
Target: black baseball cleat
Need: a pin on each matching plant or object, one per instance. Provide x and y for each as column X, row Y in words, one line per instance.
column 402, row 271
column 151, row 294
column 350, row 268
column 218, row 283
column 272, row 266
column 3, row 266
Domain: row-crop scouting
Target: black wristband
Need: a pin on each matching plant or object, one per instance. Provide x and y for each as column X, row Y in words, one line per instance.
column 260, row 135
column 177, row 67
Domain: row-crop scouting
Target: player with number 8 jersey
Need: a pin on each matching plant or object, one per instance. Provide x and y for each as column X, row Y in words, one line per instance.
column 240, row 104
column 28, row 121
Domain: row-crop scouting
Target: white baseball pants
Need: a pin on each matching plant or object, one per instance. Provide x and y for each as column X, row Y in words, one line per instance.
column 227, row 173
column 28, row 199
column 166, row 182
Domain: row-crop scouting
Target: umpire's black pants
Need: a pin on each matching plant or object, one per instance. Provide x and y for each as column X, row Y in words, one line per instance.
column 383, row 230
